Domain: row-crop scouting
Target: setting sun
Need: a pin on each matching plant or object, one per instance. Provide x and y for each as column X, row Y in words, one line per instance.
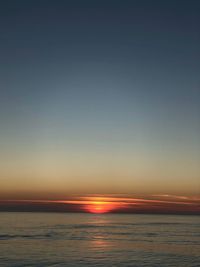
column 99, row 207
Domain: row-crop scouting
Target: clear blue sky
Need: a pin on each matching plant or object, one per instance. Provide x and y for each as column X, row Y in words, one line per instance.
column 99, row 97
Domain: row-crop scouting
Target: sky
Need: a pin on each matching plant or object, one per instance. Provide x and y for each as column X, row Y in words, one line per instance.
column 99, row 98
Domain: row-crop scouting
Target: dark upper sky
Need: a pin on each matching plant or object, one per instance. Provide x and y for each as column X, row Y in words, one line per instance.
column 146, row 38
column 93, row 76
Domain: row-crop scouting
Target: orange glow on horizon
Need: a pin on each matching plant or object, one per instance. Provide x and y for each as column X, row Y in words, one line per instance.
column 98, row 204
column 106, row 204
column 99, row 207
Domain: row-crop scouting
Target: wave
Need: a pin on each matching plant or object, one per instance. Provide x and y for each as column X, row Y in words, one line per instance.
column 25, row 236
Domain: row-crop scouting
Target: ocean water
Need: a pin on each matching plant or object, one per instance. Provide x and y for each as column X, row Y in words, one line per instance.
column 67, row 239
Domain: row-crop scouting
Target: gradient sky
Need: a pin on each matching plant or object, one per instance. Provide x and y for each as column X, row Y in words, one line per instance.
column 99, row 97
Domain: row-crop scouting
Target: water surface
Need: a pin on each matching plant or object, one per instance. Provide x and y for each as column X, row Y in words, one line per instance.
column 70, row 239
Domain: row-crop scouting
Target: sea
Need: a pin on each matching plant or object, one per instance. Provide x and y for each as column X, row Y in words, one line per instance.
column 78, row 239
